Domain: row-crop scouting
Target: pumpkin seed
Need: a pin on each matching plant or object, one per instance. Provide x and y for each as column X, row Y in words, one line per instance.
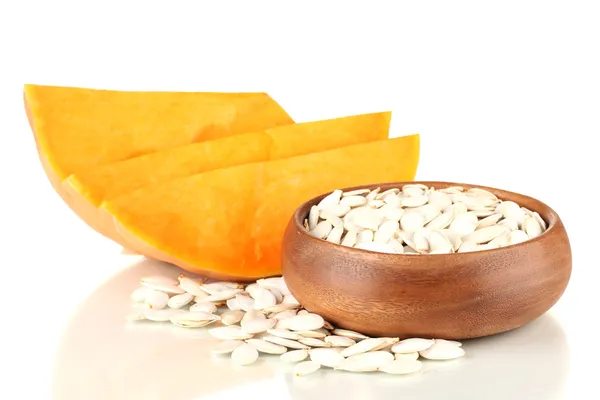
column 412, row 345
column 140, row 294
column 231, row 317
column 157, row 300
column 303, row 322
column 204, row 307
column 285, row 334
column 339, row 341
column 327, row 357
column 180, row 300
column 363, row 346
column 191, row 286
column 401, row 367
column 306, row 367
column 266, row 347
column 245, row 354
column 349, row 334
column 406, row 356
column 291, row 344
column 312, row 342
column 294, row 356
column 442, row 351
column 258, row 325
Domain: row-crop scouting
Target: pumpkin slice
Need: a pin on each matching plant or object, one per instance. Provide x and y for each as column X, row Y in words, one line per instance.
column 113, row 180
column 76, row 128
column 228, row 223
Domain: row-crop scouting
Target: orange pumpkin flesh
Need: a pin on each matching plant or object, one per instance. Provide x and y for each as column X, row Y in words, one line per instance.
column 228, row 223
column 76, row 129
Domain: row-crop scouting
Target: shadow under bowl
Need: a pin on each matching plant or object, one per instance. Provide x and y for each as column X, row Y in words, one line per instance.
column 452, row 296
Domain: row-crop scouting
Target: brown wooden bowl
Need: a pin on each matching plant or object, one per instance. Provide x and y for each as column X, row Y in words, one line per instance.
column 451, row 296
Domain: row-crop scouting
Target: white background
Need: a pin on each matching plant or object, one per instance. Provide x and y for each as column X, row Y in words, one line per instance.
column 504, row 94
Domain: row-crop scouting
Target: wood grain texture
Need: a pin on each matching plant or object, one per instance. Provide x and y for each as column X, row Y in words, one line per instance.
column 451, row 296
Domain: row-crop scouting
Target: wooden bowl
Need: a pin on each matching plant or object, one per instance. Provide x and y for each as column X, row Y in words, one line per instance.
column 451, row 296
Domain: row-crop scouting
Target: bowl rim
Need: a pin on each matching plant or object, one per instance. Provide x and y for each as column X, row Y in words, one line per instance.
column 552, row 219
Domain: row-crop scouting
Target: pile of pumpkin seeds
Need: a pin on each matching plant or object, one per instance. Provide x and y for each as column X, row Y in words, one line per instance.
column 418, row 219
column 264, row 318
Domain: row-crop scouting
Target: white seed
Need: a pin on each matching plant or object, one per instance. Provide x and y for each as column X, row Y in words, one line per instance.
column 531, row 227
column 244, row 302
column 335, row 236
column 258, row 325
column 226, row 346
column 267, row 347
column 313, row 218
column 372, row 194
column 194, row 319
column 466, row 247
column 349, row 334
column 285, row 334
column 364, row 237
column 387, row 343
column 411, row 221
column 443, row 220
column 385, row 232
column 407, row 356
column 278, row 296
column 318, row 334
column 161, row 315
column 302, row 312
column 216, row 287
column 385, row 193
column 439, row 244
column 516, row 237
column 322, row 229
column 305, row 368
column 510, row 209
column 339, row 341
column 401, row 367
column 224, row 295
column 350, row 238
column 429, row 211
column 232, row 332
column 162, row 286
column 392, row 200
column 290, row 299
column 489, row 221
column 294, row 356
column 303, row 322
column 290, row 344
column 251, row 288
column 157, row 300
column 484, row 212
column 353, row 201
column 486, row 234
column 500, row 241
column 330, row 199
column 365, row 362
column 421, row 239
column 327, row 357
column 263, row 298
column 396, row 246
column 440, row 199
column 511, row 223
column 245, row 354
column 446, row 341
column 159, row 280
column 281, row 307
column 412, row 345
column 390, row 212
column 457, row 208
column 363, row 346
column 412, row 191
column 453, row 237
column 464, row 223
column 201, row 297
column 139, row 295
column 414, row 201
column 191, row 286
column 180, row 300
column 482, row 193
column 357, row 192
column 334, row 211
column 232, row 317
column 442, row 351
column 366, row 218
column 252, row 315
column 313, row 342
column 204, row 307
column 336, row 221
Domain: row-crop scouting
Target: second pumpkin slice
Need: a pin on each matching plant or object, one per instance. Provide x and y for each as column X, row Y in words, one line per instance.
column 92, row 187
column 229, row 223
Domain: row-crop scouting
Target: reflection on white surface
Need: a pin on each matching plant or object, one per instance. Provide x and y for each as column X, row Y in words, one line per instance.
column 104, row 357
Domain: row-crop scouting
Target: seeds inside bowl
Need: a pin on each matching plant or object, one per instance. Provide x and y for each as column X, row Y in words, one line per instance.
column 418, row 219
column 281, row 327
